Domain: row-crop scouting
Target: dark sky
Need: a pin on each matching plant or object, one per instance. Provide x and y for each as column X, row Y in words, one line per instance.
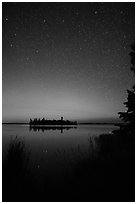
column 66, row 59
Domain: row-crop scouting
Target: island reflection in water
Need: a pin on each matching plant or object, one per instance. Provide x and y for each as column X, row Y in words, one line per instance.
column 45, row 128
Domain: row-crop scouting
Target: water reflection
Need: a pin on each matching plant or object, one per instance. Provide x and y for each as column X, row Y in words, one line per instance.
column 45, row 128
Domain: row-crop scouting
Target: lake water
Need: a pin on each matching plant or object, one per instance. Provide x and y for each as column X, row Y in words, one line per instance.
column 53, row 149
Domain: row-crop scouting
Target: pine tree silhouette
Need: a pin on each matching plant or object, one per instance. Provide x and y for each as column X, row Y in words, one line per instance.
column 129, row 115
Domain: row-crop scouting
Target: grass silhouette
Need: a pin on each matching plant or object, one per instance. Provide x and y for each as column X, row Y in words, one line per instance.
column 16, row 176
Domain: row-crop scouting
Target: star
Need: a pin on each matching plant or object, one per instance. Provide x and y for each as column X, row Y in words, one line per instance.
column 37, row 51
column 44, row 20
column 95, row 12
column 6, row 19
column 63, row 21
column 11, row 45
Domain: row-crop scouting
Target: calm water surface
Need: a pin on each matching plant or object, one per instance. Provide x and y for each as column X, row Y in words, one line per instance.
column 53, row 150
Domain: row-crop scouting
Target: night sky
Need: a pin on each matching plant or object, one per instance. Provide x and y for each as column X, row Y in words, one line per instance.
column 66, row 59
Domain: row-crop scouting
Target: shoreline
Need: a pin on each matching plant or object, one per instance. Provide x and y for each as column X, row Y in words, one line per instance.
column 60, row 125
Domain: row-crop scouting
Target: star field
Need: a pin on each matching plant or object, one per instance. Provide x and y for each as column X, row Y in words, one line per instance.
column 67, row 59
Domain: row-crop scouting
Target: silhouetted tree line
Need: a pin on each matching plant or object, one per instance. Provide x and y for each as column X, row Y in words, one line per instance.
column 51, row 122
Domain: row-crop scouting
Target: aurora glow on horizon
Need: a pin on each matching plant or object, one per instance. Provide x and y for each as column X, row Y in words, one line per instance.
column 66, row 59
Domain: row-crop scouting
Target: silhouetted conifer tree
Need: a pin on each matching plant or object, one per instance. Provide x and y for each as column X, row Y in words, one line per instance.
column 129, row 115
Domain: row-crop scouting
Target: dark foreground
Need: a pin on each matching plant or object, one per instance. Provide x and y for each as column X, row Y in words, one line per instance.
column 108, row 174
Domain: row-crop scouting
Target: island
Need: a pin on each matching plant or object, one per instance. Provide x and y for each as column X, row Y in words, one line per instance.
column 41, row 122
